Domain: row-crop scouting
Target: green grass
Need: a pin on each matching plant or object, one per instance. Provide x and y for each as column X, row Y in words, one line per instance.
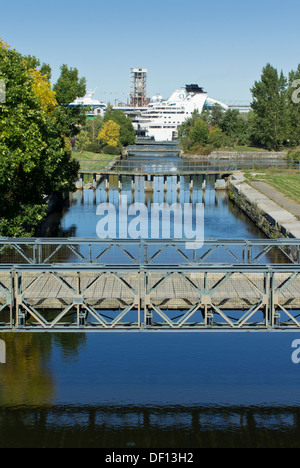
column 88, row 156
column 97, row 157
column 286, row 181
column 249, row 149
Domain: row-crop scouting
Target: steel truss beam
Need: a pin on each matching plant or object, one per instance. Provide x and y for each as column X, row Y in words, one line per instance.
column 146, row 252
column 150, row 298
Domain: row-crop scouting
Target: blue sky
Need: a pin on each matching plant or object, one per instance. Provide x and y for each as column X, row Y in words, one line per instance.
column 221, row 45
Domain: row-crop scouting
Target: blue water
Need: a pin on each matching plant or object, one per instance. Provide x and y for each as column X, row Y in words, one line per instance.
column 149, row 385
column 247, row 369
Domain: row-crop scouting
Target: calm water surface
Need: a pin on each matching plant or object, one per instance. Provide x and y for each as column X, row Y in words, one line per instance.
column 151, row 390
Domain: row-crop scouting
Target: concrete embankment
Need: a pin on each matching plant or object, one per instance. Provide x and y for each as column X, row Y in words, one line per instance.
column 274, row 220
column 239, row 155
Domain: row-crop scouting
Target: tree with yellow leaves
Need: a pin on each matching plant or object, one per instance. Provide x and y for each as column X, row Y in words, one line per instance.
column 42, row 89
column 109, row 133
column 3, row 45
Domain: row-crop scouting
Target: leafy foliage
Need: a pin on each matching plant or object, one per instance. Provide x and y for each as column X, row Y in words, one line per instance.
column 34, row 160
column 127, row 132
column 67, row 88
column 82, row 141
column 270, row 109
column 273, row 123
column 42, row 89
column 109, row 133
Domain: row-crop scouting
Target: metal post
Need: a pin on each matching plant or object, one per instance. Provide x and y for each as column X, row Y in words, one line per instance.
column 106, row 182
column 94, row 181
column 272, row 314
column 165, row 183
column 81, row 176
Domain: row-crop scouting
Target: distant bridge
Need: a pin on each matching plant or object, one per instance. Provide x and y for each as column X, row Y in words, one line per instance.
column 163, row 168
column 180, row 168
column 152, row 146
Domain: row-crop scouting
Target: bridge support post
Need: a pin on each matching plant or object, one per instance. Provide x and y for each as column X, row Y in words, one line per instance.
column 165, row 183
column 81, row 180
column 106, row 178
column 148, row 312
column 19, row 315
column 94, row 181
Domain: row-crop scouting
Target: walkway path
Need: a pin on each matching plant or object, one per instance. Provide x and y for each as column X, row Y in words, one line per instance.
column 285, row 202
column 278, row 209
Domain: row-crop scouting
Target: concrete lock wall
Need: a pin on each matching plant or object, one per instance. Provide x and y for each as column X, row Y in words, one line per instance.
column 241, row 155
column 2, row 352
column 274, row 220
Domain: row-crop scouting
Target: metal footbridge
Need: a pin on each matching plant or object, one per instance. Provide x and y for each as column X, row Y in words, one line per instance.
column 184, row 167
column 76, row 285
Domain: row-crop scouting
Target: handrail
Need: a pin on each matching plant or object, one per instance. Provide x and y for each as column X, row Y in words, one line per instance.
column 184, row 166
column 47, row 251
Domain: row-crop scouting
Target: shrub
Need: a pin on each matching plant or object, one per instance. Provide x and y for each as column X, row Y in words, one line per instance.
column 294, row 154
column 114, row 150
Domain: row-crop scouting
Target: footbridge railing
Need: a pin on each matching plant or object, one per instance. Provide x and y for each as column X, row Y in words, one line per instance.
column 48, row 251
column 182, row 167
column 69, row 285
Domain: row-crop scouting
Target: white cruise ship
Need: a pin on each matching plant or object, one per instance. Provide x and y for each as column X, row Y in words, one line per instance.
column 94, row 106
column 162, row 118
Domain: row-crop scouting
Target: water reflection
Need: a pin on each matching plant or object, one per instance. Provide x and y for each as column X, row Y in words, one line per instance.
column 222, row 218
column 149, row 391
column 150, row 427
column 26, row 378
column 116, row 390
column 219, row 210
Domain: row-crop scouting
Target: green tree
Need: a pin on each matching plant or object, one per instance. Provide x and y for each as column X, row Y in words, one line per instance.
column 183, row 131
column 230, row 123
column 67, row 88
column 34, row 161
column 217, row 138
column 83, row 140
column 127, row 132
column 270, row 117
column 216, row 115
column 199, row 132
column 34, row 64
column 93, row 127
column 294, row 107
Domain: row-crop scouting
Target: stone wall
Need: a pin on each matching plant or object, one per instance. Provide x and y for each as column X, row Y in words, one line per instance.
column 239, row 155
column 272, row 219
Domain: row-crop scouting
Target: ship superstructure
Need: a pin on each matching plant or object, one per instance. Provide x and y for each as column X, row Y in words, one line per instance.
column 162, row 118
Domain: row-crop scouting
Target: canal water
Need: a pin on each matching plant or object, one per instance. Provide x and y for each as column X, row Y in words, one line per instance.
column 151, row 390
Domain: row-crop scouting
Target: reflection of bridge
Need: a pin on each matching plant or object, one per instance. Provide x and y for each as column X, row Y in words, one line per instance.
column 143, row 426
column 99, row 285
